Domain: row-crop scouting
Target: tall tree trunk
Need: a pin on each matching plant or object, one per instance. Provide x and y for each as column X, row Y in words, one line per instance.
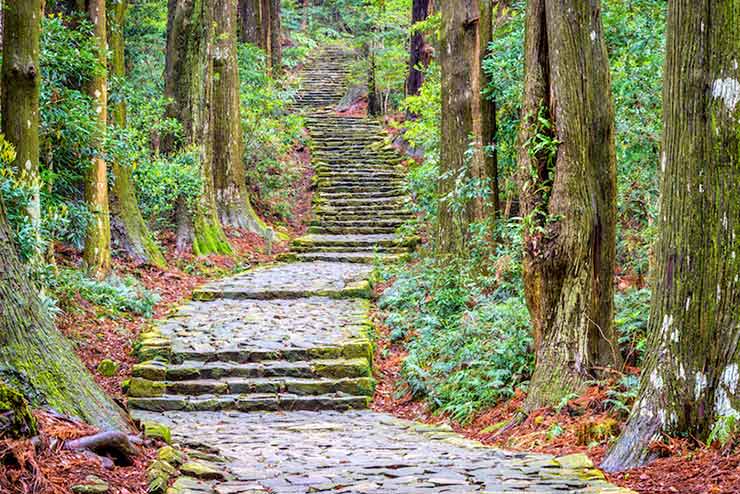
column 97, row 254
column 568, row 188
column 266, row 29
column 191, row 42
column 419, row 54
column 461, row 121
column 488, row 108
column 229, row 174
column 690, row 377
column 249, row 22
column 304, row 20
column 276, row 38
column 21, row 85
column 35, row 358
column 374, row 104
column 129, row 229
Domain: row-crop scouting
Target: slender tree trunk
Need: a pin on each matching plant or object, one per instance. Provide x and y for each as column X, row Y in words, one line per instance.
column 568, row 183
column 229, row 174
column 128, row 227
column 97, row 254
column 461, row 122
column 488, row 108
column 419, row 54
column 276, row 38
column 690, row 377
column 304, row 20
column 249, row 22
column 266, row 29
column 21, row 85
column 191, row 41
column 35, row 358
column 374, row 104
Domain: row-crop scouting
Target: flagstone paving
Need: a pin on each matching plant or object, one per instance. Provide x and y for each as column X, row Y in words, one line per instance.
column 267, row 375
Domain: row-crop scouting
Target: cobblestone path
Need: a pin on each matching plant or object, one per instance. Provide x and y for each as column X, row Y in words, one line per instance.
column 267, row 375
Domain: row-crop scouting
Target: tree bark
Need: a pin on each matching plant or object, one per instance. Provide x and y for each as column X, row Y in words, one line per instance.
column 276, row 39
column 374, row 105
column 129, row 229
column 97, row 253
column 35, row 358
column 461, row 122
column 568, row 196
column 249, row 22
column 266, row 29
column 419, row 54
column 488, row 108
column 229, row 173
column 690, row 377
column 191, row 41
column 21, row 86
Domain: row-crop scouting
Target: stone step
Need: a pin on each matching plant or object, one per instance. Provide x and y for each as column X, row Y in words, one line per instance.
column 351, row 241
column 352, row 188
column 347, row 350
column 335, row 196
column 193, row 369
column 366, row 222
column 350, row 257
column 362, row 249
column 350, row 230
column 250, row 403
column 360, row 386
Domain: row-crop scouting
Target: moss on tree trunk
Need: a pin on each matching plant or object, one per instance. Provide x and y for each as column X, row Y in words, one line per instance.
column 191, row 44
column 128, row 227
column 276, row 38
column 691, row 374
column 35, row 358
column 567, row 192
column 249, row 22
column 97, row 254
column 21, row 85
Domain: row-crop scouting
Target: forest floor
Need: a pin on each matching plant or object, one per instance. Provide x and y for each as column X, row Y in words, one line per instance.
column 583, row 426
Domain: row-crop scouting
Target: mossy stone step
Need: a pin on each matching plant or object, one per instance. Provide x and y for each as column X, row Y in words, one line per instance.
column 330, row 368
column 350, row 350
column 362, row 386
column 250, row 403
column 353, row 241
column 350, row 230
column 371, row 249
column 350, row 257
column 371, row 222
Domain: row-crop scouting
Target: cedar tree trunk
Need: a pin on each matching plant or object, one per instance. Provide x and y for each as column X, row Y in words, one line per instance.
column 276, row 39
column 189, row 84
column 128, row 227
column 488, row 108
column 568, row 196
column 690, row 377
column 21, row 85
column 35, row 358
column 419, row 54
column 97, row 254
column 249, row 22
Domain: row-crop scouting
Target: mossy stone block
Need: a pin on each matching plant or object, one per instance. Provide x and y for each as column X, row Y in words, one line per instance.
column 202, row 470
column 144, row 388
column 107, row 368
column 155, row 430
column 92, row 485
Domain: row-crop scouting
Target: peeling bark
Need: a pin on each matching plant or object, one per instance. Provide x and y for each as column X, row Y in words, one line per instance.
column 568, row 197
column 690, row 377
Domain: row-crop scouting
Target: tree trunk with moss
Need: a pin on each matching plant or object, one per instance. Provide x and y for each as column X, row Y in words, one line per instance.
column 97, row 254
column 568, row 197
column 229, row 173
column 21, row 86
column 460, row 126
column 690, row 377
column 35, row 358
column 190, row 85
column 249, row 22
column 419, row 53
column 276, row 39
column 129, row 230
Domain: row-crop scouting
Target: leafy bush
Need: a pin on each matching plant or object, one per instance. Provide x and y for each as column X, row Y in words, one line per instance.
column 270, row 133
column 632, row 309
column 115, row 295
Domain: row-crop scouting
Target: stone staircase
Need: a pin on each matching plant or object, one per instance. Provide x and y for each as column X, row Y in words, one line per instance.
column 324, row 78
column 292, row 336
column 278, row 337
